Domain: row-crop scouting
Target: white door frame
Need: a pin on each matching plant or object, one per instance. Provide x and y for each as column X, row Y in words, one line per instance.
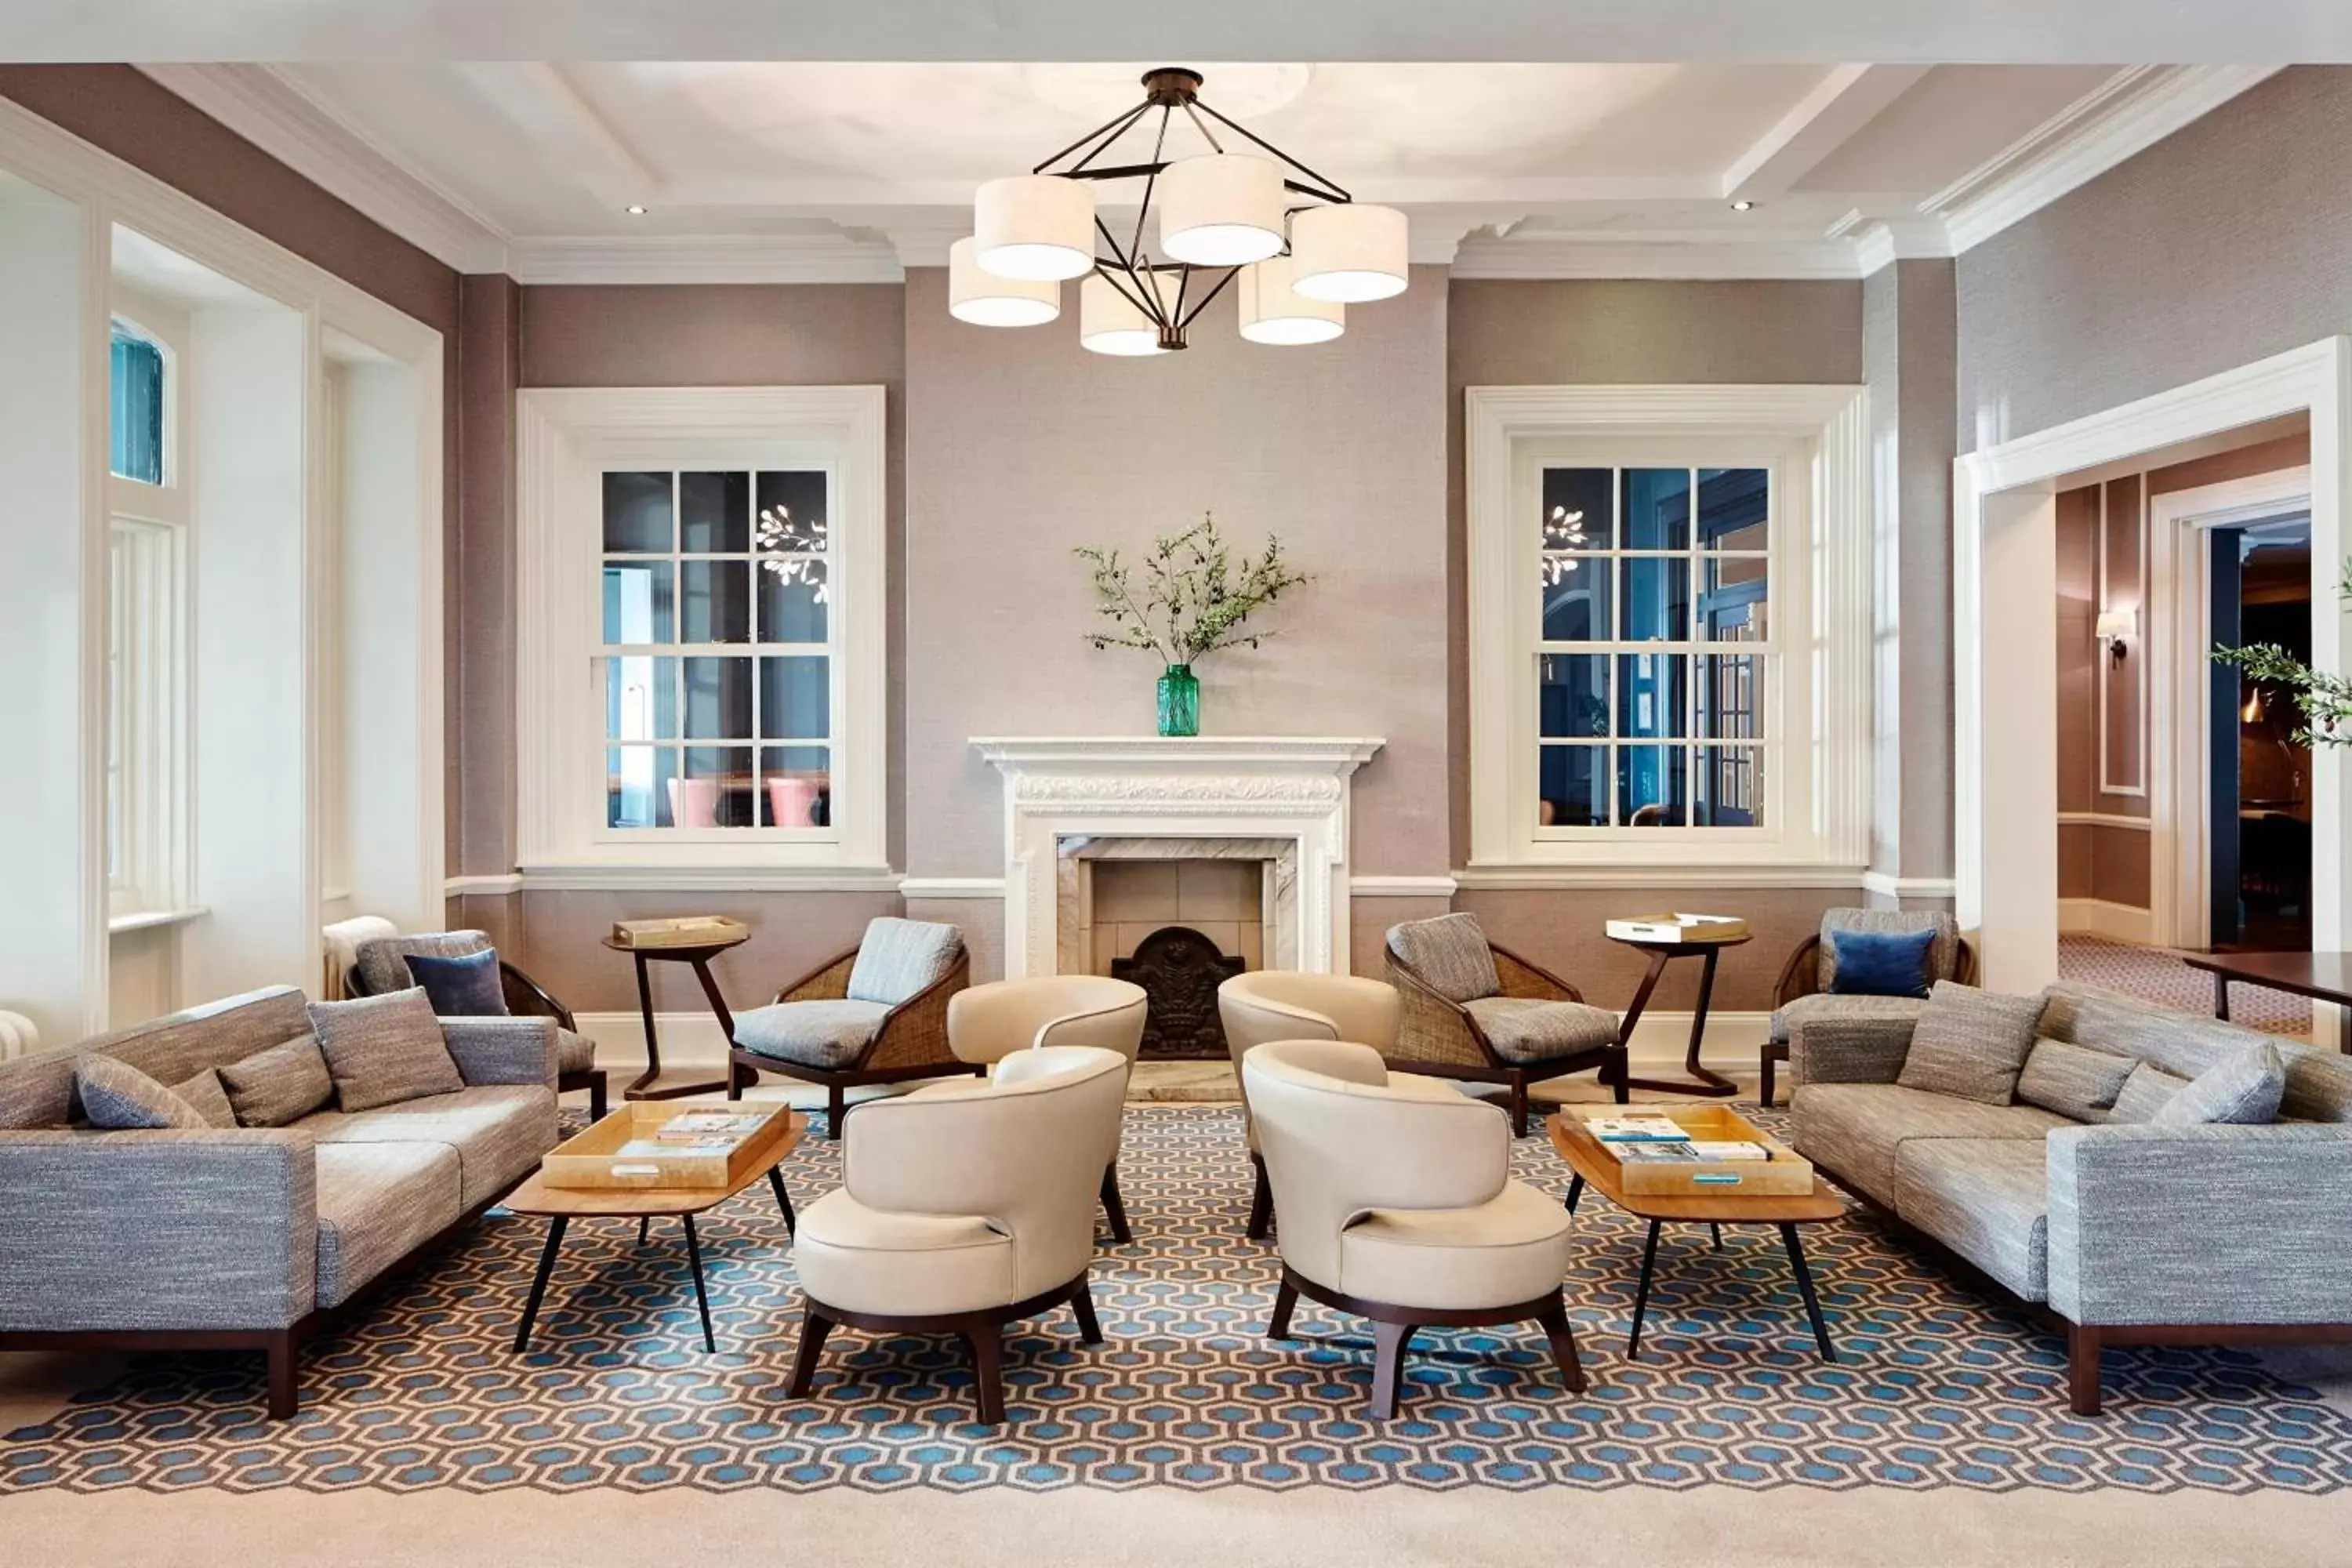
column 2180, row 633
column 2005, row 782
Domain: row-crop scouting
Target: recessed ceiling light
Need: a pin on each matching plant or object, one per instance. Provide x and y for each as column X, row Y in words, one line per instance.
column 634, row 210
column 1738, row 206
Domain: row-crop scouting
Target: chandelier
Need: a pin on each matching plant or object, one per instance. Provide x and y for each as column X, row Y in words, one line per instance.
column 1297, row 248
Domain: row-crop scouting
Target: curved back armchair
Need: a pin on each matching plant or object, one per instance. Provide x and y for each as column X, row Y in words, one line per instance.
column 1807, row 989
column 1261, row 1005
column 964, row 1206
column 1395, row 1202
column 987, row 1023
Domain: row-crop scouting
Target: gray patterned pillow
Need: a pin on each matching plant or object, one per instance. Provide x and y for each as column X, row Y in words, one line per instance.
column 281, row 1086
column 2145, row 1092
column 1450, row 955
column 382, row 1050
column 2244, row 1091
column 1970, row 1043
column 205, row 1092
column 117, row 1096
column 2073, row 1081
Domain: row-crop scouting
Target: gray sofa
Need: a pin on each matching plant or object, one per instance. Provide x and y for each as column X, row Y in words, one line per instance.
column 242, row 1238
column 2133, row 1234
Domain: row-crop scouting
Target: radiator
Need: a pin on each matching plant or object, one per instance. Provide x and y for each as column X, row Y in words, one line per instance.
column 17, row 1036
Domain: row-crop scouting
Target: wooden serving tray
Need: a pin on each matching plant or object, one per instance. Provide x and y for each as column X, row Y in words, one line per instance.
column 1786, row 1174
column 590, row 1160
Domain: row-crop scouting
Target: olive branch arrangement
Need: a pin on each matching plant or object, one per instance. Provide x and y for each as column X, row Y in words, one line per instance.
column 1193, row 598
column 2325, row 698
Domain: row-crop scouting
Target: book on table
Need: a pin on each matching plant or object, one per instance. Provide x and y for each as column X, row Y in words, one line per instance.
column 1636, row 1129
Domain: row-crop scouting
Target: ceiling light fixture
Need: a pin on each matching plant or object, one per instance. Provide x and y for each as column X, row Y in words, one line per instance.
column 634, row 210
column 1743, row 204
column 1302, row 248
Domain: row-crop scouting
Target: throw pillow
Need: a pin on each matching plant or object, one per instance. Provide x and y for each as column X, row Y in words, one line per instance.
column 281, row 1086
column 382, row 1050
column 1450, row 955
column 1881, row 963
column 117, row 1096
column 1970, row 1043
column 2076, row 1081
column 205, row 1092
column 461, row 987
column 2244, row 1090
column 2145, row 1093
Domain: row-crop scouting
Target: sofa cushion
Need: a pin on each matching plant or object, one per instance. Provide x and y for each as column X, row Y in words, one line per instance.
column 1985, row 1198
column 377, row 1204
column 1513, row 1249
column 2244, row 1092
column 211, row 1101
column 1450, row 955
column 465, row 985
column 826, row 1035
column 1943, row 954
column 1529, row 1029
column 36, row 1090
column 1881, row 963
column 279, row 1086
column 1970, row 1043
column 1823, row 1004
column 1855, row 1129
column 2143, row 1093
column 2318, row 1082
column 2076, row 1081
column 899, row 960
column 382, row 963
column 498, row 1130
column 116, row 1096
column 865, row 1259
column 384, row 1050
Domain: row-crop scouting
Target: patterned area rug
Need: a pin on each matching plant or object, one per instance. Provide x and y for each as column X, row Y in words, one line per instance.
column 1938, row 1385
column 2157, row 975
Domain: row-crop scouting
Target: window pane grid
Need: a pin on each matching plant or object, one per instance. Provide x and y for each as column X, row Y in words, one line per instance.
column 1651, row 579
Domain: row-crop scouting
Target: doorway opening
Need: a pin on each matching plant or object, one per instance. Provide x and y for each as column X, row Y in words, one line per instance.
column 2259, row 802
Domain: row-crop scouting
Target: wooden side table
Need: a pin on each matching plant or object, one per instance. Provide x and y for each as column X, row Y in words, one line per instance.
column 645, row 1085
column 1704, row 1081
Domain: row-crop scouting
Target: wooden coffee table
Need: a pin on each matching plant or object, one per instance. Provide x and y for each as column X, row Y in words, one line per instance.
column 560, row 1205
column 1592, row 1167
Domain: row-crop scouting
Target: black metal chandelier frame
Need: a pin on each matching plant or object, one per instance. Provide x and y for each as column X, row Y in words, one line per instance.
column 1170, row 88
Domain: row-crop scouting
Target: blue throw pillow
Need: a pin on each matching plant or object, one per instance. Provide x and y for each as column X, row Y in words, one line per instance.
column 465, row 987
column 1881, row 963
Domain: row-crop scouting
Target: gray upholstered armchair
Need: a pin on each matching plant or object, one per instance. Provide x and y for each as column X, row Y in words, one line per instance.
column 1807, row 990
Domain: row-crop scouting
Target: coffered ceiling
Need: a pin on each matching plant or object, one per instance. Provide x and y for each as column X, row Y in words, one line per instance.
column 784, row 170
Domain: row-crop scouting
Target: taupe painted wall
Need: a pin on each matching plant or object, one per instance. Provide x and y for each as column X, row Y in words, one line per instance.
column 1022, row 445
column 2224, row 242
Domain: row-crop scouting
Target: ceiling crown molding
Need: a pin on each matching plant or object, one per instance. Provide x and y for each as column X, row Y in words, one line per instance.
column 268, row 110
column 1538, row 253
column 835, row 257
column 2129, row 113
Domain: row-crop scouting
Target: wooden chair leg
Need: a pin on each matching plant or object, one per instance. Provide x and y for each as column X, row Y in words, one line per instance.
column 1624, row 1078
column 1554, row 1319
column 285, row 1377
column 986, row 1341
column 837, row 1106
column 739, row 1078
column 1518, row 1105
column 2083, row 1368
column 1261, row 1215
column 1285, row 1301
column 1114, row 1206
column 1390, row 1343
column 814, row 1327
column 597, row 1096
column 1764, row 1095
column 1082, row 1302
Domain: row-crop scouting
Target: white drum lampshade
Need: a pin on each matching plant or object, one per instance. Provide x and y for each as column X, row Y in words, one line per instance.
column 1111, row 323
column 982, row 297
column 1349, row 252
column 1220, row 209
column 1035, row 227
column 1274, row 312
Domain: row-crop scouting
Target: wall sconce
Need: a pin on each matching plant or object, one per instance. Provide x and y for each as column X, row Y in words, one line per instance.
column 2117, row 628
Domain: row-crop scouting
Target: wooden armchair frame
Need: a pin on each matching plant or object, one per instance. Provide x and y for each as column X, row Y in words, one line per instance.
column 1438, row 1036
column 1801, row 976
column 912, row 1042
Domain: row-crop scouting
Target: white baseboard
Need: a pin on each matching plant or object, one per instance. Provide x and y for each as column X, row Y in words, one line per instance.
column 693, row 1040
column 2112, row 922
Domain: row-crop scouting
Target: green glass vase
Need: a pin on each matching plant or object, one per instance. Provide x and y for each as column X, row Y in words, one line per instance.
column 1180, row 701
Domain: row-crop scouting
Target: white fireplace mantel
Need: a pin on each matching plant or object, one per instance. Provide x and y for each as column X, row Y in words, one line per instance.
column 1292, row 787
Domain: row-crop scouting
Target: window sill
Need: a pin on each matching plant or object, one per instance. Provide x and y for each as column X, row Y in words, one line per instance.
column 150, row 920
column 686, row 878
column 1690, row 872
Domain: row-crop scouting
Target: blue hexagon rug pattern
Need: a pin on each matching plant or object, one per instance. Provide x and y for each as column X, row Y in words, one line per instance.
column 1939, row 1382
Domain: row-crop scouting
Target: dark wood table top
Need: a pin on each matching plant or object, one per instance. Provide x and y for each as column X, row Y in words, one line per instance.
column 1588, row 1159
column 2327, row 975
column 536, row 1197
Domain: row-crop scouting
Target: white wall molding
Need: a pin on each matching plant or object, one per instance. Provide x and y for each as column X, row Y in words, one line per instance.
column 815, row 257
column 1402, row 887
column 951, row 887
column 2127, row 114
column 269, row 109
column 2106, row 920
column 2103, row 819
column 1892, row 886
column 680, row 878
column 1654, row 876
column 492, row 886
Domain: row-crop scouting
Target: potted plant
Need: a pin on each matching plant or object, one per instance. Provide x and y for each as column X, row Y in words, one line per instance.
column 1193, row 599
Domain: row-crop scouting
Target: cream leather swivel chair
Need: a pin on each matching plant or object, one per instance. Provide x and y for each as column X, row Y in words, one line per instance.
column 964, row 1206
column 1264, row 1004
column 1395, row 1203
column 988, row 1023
